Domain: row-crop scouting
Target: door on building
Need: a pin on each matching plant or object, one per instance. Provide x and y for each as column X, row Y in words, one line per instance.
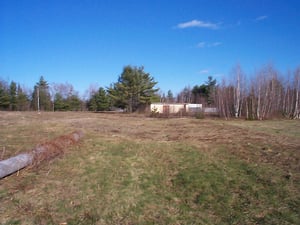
column 166, row 109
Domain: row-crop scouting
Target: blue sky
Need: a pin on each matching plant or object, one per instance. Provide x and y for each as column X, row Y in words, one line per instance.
column 179, row 42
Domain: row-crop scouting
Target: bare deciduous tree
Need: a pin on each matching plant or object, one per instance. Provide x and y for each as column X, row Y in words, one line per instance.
column 239, row 91
column 267, row 95
column 296, row 114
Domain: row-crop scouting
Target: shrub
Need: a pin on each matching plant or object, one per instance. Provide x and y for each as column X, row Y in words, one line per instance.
column 200, row 115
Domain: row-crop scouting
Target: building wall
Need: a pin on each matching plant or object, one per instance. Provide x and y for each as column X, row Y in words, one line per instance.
column 165, row 108
column 193, row 108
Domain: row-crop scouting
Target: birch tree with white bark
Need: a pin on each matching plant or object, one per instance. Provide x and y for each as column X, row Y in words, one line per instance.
column 296, row 114
column 239, row 90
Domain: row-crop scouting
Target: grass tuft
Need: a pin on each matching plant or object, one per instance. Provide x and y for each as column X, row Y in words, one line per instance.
column 155, row 171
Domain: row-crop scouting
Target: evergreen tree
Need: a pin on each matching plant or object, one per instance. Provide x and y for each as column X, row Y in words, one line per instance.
column 59, row 103
column 205, row 93
column 41, row 96
column 22, row 99
column 170, row 96
column 133, row 89
column 73, row 103
column 99, row 101
column 211, row 89
column 102, row 100
column 13, row 96
column 4, row 96
column 92, row 103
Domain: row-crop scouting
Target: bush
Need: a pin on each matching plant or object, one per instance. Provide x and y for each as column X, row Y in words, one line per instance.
column 154, row 113
column 199, row 115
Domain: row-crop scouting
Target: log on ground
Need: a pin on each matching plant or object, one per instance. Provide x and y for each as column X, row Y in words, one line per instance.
column 40, row 153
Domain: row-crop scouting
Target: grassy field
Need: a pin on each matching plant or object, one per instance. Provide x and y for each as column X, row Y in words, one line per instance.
column 130, row 169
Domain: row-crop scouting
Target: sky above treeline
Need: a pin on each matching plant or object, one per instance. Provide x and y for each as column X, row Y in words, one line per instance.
column 179, row 42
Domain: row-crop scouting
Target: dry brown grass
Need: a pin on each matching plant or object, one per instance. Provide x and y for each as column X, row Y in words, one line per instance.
column 144, row 168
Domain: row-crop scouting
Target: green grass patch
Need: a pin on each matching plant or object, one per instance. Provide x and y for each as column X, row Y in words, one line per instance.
column 231, row 191
column 157, row 183
column 115, row 178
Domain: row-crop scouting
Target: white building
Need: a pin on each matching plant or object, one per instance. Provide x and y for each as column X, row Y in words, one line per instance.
column 173, row 108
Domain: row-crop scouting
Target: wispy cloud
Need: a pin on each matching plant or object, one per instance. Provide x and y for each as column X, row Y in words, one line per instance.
column 201, row 45
column 208, row 45
column 204, row 71
column 198, row 23
column 260, row 18
column 215, row 44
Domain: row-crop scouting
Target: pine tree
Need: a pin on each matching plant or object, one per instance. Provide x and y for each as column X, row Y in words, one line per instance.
column 99, row 101
column 22, row 99
column 102, row 100
column 41, row 96
column 13, row 96
column 4, row 96
column 133, row 89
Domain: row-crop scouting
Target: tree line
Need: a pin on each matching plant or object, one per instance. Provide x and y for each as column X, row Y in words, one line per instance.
column 58, row 97
column 134, row 90
column 268, row 94
column 263, row 95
